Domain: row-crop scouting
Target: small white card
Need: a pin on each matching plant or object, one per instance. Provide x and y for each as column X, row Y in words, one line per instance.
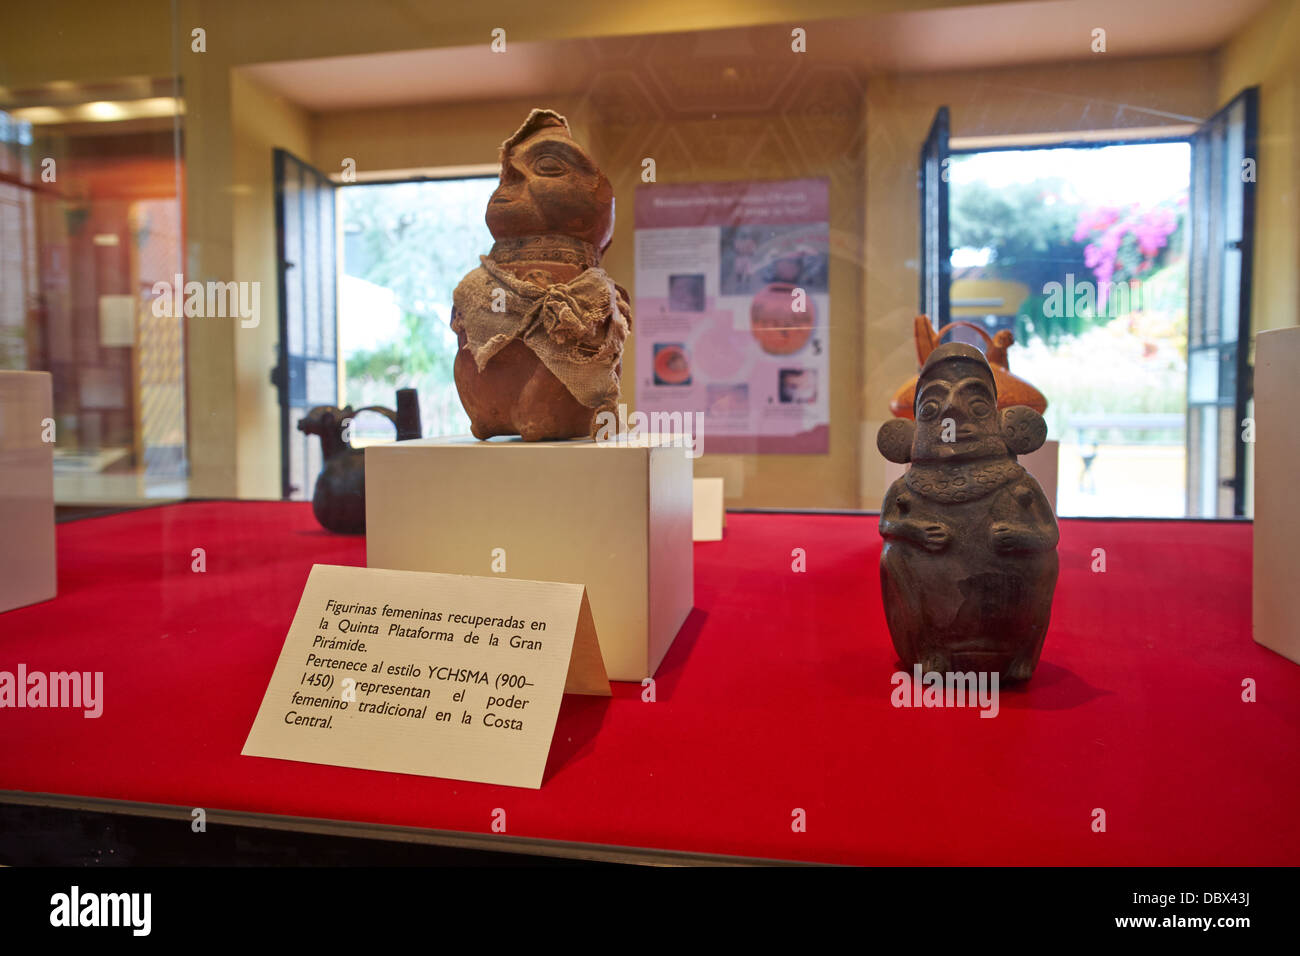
column 709, row 513
column 442, row 675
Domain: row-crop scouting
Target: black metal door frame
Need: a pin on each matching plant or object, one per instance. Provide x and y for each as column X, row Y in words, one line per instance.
column 290, row 375
column 936, row 255
column 1212, row 239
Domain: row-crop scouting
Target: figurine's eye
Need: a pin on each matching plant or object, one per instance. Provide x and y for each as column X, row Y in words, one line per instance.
column 929, row 409
column 548, row 165
column 979, row 408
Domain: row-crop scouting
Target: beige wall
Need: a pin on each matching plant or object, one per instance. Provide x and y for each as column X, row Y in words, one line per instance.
column 411, row 137
column 262, row 122
column 1105, row 94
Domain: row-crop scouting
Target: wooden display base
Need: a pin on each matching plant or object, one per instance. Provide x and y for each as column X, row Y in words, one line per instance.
column 616, row 518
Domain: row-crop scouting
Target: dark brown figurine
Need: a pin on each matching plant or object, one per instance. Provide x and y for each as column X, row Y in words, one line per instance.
column 540, row 326
column 969, row 562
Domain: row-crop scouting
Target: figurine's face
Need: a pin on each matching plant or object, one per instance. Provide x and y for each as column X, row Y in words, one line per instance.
column 549, row 185
column 957, row 414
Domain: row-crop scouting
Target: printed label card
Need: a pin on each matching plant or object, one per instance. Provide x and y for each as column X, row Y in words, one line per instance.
column 442, row 675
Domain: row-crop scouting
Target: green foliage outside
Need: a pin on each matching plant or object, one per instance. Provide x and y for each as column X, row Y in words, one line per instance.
column 418, row 240
column 1039, row 234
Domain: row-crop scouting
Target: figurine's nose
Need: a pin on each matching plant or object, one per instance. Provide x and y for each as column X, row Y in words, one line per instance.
column 511, row 175
column 953, row 409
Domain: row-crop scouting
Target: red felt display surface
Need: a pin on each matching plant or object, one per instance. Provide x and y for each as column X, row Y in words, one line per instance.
column 776, row 696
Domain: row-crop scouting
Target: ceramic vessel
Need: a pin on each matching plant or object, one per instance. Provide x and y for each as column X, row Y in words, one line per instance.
column 779, row 329
column 969, row 562
column 1012, row 389
column 540, row 326
column 339, row 498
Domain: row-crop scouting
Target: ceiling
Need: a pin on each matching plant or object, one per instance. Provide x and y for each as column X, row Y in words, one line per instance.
column 737, row 66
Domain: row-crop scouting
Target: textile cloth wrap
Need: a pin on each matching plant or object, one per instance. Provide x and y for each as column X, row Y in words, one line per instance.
column 576, row 328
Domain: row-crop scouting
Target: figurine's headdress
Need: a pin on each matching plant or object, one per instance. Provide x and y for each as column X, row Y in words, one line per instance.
column 537, row 120
column 957, row 351
column 1022, row 429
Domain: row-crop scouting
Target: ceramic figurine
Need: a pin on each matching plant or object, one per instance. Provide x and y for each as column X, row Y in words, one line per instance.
column 969, row 561
column 1012, row 389
column 540, row 326
column 339, row 500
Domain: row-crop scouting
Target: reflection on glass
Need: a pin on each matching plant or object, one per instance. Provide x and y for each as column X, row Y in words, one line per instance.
column 90, row 219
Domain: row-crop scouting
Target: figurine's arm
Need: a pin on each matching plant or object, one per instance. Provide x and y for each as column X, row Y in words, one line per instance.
column 896, row 523
column 1034, row 528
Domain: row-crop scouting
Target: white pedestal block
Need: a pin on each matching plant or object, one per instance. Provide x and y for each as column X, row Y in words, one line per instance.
column 1276, row 618
column 616, row 518
column 709, row 514
column 1042, row 464
column 27, row 559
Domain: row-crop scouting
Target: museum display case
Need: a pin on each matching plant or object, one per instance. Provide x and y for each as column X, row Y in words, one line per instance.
column 712, row 434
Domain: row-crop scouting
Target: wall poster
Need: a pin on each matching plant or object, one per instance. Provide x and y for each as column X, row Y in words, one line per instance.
column 732, row 311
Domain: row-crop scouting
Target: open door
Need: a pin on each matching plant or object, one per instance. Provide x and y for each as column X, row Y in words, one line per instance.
column 936, row 256
column 307, row 373
column 1218, row 315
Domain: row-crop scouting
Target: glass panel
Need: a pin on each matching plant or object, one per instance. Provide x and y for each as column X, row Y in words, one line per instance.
column 1233, row 186
column 1228, row 437
column 1209, row 464
column 309, row 257
column 1203, row 376
column 1079, row 255
column 91, row 283
column 309, row 265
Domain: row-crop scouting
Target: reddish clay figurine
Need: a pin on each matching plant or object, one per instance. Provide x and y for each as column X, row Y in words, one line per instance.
column 969, row 562
column 540, row 325
column 1012, row 389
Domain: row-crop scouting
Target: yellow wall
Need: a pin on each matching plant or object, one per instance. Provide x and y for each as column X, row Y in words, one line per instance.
column 262, row 122
column 411, row 137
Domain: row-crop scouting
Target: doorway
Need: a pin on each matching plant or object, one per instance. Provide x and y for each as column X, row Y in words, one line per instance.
column 1149, row 243
column 1082, row 253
